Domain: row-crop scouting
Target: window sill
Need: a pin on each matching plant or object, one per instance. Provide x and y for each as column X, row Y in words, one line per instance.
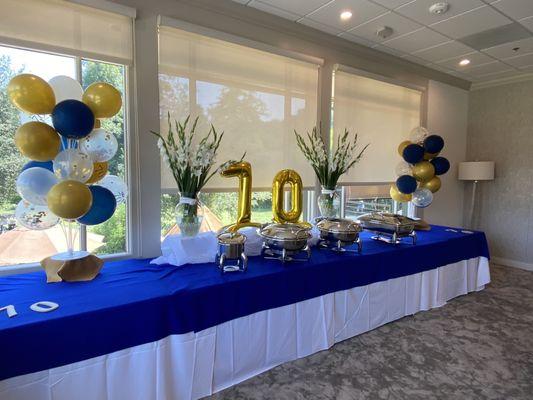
column 32, row 267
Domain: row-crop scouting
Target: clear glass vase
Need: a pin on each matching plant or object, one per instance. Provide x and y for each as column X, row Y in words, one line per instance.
column 329, row 203
column 188, row 216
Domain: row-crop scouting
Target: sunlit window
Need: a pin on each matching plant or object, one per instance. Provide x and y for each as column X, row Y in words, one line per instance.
column 19, row 245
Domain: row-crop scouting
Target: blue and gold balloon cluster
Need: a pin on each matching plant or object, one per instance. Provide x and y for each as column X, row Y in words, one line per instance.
column 66, row 176
column 418, row 173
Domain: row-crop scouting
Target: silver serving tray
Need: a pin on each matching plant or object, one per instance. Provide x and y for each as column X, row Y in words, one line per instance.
column 389, row 227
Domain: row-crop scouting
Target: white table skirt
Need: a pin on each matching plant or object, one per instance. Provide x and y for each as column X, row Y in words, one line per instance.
column 193, row 365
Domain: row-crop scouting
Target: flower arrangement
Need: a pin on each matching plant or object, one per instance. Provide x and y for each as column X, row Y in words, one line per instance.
column 330, row 165
column 191, row 166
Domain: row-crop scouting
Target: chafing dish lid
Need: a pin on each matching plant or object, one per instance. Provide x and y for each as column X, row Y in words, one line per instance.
column 386, row 218
column 339, row 225
column 231, row 238
column 288, row 231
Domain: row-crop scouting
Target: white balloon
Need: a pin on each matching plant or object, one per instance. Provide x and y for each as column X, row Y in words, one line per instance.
column 65, row 88
column 35, row 217
column 418, row 134
column 422, row 198
column 117, row 186
column 34, row 183
column 100, row 145
column 73, row 164
column 403, row 168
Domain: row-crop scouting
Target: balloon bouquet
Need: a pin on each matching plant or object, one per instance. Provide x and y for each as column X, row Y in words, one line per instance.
column 418, row 173
column 66, row 178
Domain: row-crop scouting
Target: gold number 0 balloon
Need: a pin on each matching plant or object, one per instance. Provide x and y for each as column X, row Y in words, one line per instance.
column 278, row 210
column 242, row 170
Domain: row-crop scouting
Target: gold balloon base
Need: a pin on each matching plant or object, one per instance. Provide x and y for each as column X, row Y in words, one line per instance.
column 77, row 266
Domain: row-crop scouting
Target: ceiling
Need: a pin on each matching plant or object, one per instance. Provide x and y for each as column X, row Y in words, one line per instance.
column 469, row 30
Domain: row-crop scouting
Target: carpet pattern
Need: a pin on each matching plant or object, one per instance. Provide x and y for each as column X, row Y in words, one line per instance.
column 478, row 346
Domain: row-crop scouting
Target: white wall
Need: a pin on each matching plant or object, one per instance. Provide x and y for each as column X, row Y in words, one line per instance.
column 448, row 117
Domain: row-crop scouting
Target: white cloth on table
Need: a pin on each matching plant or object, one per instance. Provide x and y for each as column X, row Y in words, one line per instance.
column 197, row 364
column 178, row 250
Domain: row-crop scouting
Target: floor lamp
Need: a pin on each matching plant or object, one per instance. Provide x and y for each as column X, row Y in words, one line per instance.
column 475, row 171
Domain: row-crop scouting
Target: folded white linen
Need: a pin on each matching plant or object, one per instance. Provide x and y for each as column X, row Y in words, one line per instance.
column 178, row 250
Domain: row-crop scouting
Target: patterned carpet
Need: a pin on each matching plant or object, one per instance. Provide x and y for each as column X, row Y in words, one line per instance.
column 478, row 346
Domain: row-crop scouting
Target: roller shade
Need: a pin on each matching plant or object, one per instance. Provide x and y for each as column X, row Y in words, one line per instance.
column 257, row 98
column 67, row 28
column 383, row 115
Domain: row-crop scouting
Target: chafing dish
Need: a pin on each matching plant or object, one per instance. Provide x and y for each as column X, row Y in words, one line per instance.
column 285, row 241
column 390, row 228
column 230, row 254
column 339, row 233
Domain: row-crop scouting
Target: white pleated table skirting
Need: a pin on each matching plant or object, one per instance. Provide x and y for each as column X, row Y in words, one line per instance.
column 194, row 365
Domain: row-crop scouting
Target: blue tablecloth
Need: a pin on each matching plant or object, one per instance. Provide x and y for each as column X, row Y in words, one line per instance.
column 132, row 302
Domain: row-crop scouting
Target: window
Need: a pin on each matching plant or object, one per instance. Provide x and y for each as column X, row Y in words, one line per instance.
column 49, row 38
column 382, row 114
column 256, row 98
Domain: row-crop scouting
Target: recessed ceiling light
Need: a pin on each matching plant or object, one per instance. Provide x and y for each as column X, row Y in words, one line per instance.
column 439, row 8
column 464, row 62
column 346, row 15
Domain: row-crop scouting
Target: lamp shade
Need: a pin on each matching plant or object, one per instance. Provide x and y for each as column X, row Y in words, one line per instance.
column 476, row 171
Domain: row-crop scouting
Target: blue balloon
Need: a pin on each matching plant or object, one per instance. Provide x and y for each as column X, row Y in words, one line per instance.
column 441, row 164
column 73, row 119
column 433, row 144
column 49, row 165
column 103, row 207
column 413, row 153
column 406, row 184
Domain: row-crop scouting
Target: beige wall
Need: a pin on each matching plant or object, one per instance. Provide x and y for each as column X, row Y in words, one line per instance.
column 500, row 129
column 447, row 116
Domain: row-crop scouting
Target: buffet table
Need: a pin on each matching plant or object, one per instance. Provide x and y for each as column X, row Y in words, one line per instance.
column 142, row 331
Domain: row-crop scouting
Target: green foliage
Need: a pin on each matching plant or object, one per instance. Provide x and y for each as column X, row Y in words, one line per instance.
column 12, row 160
column 114, row 232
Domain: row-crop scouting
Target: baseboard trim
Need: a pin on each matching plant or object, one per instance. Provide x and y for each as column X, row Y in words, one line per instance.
column 512, row 263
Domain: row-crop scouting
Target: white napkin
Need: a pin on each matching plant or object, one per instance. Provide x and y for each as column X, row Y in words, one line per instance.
column 254, row 242
column 315, row 238
column 178, row 250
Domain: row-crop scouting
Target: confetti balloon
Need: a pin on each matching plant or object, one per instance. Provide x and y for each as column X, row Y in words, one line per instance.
column 100, row 145
column 99, row 171
column 403, row 168
column 418, row 134
column 117, row 186
column 34, row 183
column 35, row 217
column 422, row 198
column 73, row 164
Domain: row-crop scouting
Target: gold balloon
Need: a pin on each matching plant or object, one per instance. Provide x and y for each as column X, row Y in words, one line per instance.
column 69, row 199
column 402, row 146
column 31, row 94
column 242, row 170
column 99, row 171
column 278, row 210
column 398, row 196
column 433, row 184
column 423, row 171
column 103, row 99
column 429, row 156
column 37, row 141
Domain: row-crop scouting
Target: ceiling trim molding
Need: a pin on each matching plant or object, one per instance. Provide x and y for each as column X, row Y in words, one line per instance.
column 502, row 81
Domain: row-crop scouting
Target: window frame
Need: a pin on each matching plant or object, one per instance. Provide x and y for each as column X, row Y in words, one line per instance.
column 130, row 161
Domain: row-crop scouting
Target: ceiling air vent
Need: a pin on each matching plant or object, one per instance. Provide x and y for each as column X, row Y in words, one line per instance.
column 496, row 36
